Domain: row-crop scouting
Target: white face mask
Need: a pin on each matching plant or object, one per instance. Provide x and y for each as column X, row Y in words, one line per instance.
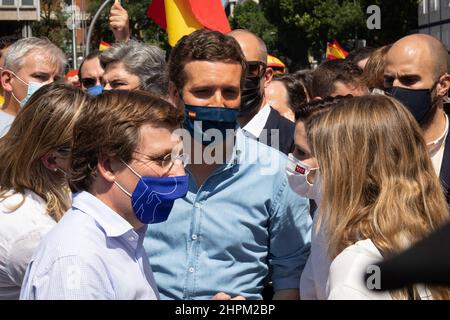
column 297, row 173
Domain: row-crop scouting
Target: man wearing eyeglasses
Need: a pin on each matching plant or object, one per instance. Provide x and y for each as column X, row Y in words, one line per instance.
column 239, row 217
column 127, row 169
column 257, row 118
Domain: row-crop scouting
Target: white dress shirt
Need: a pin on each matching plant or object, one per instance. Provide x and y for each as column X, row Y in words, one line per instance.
column 92, row 253
column 254, row 128
column 21, row 231
column 347, row 272
column 313, row 281
column 5, row 122
column 437, row 149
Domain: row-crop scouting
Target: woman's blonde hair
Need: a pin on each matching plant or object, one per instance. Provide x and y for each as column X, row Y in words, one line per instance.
column 373, row 74
column 45, row 124
column 378, row 179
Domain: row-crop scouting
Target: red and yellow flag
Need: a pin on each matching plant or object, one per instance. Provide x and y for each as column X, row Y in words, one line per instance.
column 104, row 46
column 335, row 51
column 182, row 17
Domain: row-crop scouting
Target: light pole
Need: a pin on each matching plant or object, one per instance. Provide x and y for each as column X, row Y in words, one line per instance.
column 92, row 25
column 74, row 37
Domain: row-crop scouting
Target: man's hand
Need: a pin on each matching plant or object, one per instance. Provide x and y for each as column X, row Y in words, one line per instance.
column 119, row 23
column 224, row 296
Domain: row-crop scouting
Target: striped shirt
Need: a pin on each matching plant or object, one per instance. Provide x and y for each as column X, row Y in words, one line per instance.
column 92, row 253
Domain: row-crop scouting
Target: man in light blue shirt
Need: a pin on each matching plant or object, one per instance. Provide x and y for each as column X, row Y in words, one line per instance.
column 240, row 220
column 123, row 181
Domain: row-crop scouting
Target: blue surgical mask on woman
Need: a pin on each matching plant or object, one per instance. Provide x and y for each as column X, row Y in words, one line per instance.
column 153, row 198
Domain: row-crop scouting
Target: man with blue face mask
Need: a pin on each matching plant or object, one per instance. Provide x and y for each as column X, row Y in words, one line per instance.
column 29, row 64
column 416, row 74
column 239, row 219
column 126, row 172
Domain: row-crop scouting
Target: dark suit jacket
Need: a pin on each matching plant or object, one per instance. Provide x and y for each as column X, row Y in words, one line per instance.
column 284, row 137
column 445, row 168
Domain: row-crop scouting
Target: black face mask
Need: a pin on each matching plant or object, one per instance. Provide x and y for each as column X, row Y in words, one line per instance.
column 418, row 101
column 251, row 96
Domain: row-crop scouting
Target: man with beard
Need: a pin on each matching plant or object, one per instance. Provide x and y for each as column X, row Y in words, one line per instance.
column 416, row 74
column 256, row 117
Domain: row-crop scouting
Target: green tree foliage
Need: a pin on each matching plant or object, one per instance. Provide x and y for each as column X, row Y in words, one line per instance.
column 398, row 18
column 142, row 28
column 250, row 16
column 309, row 24
column 296, row 29
column 53, row 24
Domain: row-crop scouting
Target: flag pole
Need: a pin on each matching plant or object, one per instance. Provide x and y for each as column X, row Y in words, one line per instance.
column 92, row 25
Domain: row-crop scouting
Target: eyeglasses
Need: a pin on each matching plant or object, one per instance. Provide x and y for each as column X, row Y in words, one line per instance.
column 168, row 161
column 256, row 68
column 89, row 82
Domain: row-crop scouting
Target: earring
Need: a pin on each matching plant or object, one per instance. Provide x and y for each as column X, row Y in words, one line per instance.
column 56, row 169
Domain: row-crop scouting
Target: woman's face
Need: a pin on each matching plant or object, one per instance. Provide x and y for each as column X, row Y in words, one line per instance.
column 302, row 151
column 116, row 77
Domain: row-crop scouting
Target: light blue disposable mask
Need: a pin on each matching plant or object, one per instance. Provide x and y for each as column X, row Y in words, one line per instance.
column 32, row 88
column 95, row 90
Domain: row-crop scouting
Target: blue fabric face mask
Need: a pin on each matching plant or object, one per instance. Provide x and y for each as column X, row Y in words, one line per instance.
column 210, row 125
column 153, row 198
column 95, row 90
column 32, row 88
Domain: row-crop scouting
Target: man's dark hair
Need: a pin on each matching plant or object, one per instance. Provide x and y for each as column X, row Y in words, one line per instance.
column 90, row 56
column 307, row 110
column 332, row 71
column 203, row 45
column 6, row 41
column 297, row 92
column 360, row 54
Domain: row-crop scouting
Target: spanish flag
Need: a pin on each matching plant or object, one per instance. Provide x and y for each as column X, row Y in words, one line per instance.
column 104, row 46
column 182, row 17
column 335, row 51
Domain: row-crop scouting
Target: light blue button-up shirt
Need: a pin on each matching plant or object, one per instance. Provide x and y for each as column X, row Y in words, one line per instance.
column 92, row 253
column 224, row 235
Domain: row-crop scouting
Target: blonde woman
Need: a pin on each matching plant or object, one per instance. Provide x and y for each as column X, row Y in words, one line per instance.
column 378, row 188
column 33, row 193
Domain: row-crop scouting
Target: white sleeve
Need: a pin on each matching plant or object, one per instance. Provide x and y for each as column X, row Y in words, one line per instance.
column 21, row 252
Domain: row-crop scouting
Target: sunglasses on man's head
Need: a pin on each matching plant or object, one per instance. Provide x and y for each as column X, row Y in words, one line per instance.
column 256, row 68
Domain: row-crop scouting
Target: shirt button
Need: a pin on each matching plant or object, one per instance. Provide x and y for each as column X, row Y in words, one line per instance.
column 194, row 237
column 191, row 270
column 197, row 205
column 132, row 238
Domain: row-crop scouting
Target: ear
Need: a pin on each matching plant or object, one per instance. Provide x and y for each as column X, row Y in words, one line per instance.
column 174, row 96
column 6, row 77
column 107, row 168
column 49, row 161
column 444, row 85
column 268, row 76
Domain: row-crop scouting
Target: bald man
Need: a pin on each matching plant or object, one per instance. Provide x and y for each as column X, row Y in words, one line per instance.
column 257, row 118
column 416, row 74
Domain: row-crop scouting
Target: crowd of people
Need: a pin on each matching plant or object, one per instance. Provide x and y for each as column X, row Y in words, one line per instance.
column 207, row 176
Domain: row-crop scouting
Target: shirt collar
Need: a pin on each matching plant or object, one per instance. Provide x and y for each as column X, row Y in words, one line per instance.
column 256, row 125
column 109, row 220
column 439, row 141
